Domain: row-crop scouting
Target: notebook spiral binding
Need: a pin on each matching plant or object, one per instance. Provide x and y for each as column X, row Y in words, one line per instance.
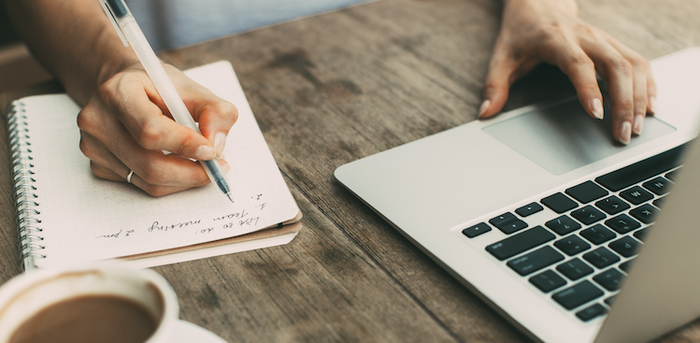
column 28, row 216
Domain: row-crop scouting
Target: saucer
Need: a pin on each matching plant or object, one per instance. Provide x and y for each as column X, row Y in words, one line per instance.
column 186, row 332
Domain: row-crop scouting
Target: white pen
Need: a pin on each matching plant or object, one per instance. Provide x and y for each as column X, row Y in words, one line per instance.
column 130, row 32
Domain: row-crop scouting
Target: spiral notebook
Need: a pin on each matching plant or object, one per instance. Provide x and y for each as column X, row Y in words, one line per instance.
column 67, row 215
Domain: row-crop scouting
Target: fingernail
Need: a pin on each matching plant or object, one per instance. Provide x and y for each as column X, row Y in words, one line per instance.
column 625, row 132
column 205, row 153
column 225, row 166
column 484, row 106
column 219, row 143
column 652, row 104
column 597, row 107
column 638, row 124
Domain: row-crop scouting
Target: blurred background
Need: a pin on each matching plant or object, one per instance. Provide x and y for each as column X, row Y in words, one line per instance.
column 170, row 24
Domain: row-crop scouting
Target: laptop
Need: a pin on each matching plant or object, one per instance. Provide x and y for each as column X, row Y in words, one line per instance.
column 570, row 236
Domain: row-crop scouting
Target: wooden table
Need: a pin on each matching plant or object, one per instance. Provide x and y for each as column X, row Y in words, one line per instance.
column 328, row 90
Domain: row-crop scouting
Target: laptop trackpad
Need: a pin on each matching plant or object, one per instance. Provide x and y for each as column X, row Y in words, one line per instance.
column 563, row 137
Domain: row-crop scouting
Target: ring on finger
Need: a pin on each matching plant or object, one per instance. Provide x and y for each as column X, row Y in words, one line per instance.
column 129, row 176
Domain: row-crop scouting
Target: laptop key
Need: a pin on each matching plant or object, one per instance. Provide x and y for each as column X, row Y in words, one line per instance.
column 534, row 261
column 559, row 203
column 529, row 209
column 563, row 225
column 672, row 175
column 601, row 257
column 476, row 230
column 591, row 312
column 636, row 195
column 642, row 234
column 587, row 215
column 625, row 246
column 658, row 185
column 612, row 205
column 508, row 223
column 642, row 170
column 645, row 213
column 520, row 242
column 598, row 234
column 609, row 279
column 587, row 192
column 512, row 227
column 577, row 295
column 623, row 224
column 503, row 219
column 625, row 266
column 547, row 281
column 572, row 245
column 574, row 269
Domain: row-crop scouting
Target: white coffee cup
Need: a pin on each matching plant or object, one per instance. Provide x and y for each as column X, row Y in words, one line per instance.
column 25, row 296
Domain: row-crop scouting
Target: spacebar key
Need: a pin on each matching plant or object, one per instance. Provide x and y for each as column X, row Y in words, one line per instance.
column 521, row 242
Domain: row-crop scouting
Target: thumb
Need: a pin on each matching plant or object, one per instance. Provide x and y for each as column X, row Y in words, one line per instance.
column 498, row 80
column 504, row 70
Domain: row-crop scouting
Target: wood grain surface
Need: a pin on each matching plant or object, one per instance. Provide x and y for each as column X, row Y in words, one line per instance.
column 330, row 89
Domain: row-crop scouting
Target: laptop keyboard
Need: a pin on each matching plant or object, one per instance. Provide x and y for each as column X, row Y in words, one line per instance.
column 583, row 252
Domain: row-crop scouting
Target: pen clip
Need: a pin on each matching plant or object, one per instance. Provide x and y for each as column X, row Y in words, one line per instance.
column 112, row 19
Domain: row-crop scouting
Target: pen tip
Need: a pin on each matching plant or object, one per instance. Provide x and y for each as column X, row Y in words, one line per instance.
column 230, row 197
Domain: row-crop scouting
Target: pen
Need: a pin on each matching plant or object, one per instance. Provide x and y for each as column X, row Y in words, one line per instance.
column 130, row 32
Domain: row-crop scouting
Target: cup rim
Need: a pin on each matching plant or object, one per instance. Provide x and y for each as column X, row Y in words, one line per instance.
column 168, row 318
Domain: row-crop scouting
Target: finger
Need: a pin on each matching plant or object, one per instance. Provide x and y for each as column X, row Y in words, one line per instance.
column 152, row 166
column 503, row 71
column 496, row 88
column 575, row 63
column 153, row 190
column 214, row 115
column 644, row 85
column 106, row 173
column 619, row 75
column 159, row 169
column 100, row 156
column 651, row 92
column 148, row 122
column 582, row 74
column 215, row 121
column 640, row 99
column 644, row 66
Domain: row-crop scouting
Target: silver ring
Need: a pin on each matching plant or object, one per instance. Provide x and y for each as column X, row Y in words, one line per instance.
column 129, row 176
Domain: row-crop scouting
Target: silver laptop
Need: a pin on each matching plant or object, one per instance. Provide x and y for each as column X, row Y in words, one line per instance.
column 540, row 213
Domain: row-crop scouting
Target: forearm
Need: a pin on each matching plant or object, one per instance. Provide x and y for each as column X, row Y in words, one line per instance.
column 73, row 39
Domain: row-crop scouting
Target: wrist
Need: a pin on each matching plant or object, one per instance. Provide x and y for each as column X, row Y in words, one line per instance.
column 108, row 56
column 115, row 58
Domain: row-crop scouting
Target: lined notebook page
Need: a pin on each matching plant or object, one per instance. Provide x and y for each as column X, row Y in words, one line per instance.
column 85, row 218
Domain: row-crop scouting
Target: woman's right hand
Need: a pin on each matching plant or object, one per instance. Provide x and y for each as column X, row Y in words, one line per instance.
column 125, row 126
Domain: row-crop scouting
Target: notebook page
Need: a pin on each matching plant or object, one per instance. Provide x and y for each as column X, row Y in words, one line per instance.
column 85, row 218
